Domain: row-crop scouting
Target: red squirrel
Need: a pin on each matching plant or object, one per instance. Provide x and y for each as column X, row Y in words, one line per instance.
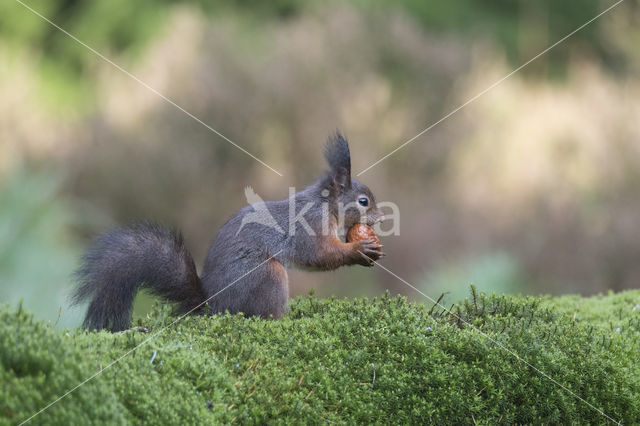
column 252, row 256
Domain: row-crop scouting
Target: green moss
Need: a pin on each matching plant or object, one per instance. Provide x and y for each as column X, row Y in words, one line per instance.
column 359, row 360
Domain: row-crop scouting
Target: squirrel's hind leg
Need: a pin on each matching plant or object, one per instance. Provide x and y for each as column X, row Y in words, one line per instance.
column 271, row 294
column 264, row 292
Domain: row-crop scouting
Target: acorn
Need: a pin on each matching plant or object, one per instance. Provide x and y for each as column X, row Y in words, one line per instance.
column 361, row 232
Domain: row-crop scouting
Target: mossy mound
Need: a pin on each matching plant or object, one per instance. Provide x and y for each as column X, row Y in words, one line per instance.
column 377, row 361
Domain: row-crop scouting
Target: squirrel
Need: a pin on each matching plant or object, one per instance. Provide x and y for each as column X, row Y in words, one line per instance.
column 249, row 254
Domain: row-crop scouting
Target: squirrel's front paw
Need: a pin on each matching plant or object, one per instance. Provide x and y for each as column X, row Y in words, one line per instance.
column 369, row 251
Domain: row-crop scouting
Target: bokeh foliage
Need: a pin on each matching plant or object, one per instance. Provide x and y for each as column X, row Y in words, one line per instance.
column 544, row 164
column 120, row 27
column 35, row 247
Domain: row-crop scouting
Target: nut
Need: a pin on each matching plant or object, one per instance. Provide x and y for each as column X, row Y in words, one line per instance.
column 361, row 232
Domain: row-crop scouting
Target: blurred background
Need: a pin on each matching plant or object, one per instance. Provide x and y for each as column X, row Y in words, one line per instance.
column 532, row 188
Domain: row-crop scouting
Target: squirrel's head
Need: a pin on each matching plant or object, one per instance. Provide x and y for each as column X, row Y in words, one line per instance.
column 352, row 197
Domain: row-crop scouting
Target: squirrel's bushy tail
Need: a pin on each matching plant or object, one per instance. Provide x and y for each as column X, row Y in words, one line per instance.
column 125, row 259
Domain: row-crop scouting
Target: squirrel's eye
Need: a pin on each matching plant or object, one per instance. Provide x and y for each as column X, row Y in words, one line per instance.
column 363, row 201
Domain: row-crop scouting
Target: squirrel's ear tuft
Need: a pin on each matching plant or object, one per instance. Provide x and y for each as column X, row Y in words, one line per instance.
column 337, row 154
